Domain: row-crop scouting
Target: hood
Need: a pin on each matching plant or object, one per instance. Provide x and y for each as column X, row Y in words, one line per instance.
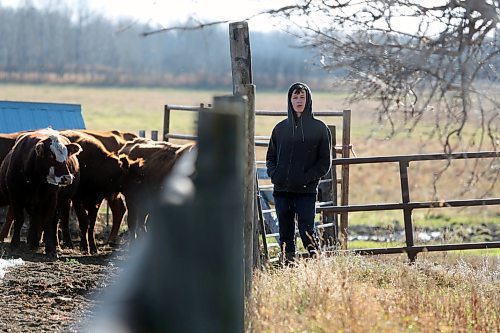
column 307, row 110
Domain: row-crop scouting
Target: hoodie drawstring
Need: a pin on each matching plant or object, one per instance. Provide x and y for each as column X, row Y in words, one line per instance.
column 302, row 129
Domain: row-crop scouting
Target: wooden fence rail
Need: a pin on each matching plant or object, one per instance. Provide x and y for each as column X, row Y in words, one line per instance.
column 407, row 206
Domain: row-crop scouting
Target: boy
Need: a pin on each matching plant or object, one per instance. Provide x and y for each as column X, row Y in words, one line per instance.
column 299, row 154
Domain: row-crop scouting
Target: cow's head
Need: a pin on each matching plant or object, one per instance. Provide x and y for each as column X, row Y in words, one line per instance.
column 56, row 155
column 133, row 174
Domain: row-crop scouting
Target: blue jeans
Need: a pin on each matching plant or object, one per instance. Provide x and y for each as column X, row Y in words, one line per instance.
column 288, row 207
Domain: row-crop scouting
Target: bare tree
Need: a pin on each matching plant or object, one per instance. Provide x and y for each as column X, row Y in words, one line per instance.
column 417, row 59
column 424, row 62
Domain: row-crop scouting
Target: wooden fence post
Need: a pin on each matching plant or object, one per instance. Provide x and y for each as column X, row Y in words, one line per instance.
column 210, row 262
column 241, row 65
column 344, row 187
column 189, row 275
column 329, row 193
column 251, row 227
column 241, row 57
column 166, row 123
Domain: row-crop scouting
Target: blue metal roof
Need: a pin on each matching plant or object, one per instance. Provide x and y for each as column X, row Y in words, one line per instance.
column 22, row 116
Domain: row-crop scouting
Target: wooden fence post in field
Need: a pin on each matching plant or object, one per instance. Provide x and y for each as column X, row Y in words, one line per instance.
column 241, row 56
column 189, row 275
column 166, row 122
column 241, row 65
column 251, row 221
column 344, row 187
column 329, row 193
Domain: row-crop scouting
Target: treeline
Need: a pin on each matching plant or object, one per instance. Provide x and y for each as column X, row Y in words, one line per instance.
column 57, row 44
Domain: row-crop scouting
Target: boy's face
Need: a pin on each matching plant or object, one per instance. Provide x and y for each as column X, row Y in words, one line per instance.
column 298, row 100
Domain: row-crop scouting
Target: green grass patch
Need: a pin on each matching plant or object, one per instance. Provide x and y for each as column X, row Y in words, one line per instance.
column 357, row 244
column 352, row 245
column 72, row 261
column 481, row 252
column 421, row 219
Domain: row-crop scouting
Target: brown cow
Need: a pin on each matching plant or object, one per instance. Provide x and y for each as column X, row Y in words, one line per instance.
column 159, row 158
column 101, row 174
column 6, row 143
column 141, row 148
column 32, row 175
column 135, row 149
column 113, row 141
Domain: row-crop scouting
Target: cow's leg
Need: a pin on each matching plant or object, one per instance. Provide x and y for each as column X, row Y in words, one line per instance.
column 83, row 223
column 35, row 229
column 50, row 232
column 9, row 219
column 18, row 213
column 48, row 217
column 92, row 213
column 118, row 209
column 144, row 219
column 63, row 210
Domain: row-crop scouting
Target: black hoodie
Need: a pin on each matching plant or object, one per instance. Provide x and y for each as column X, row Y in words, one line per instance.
column 299, row 152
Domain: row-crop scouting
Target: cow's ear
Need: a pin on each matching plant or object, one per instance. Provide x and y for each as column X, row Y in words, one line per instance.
column 125, row 162
column 39, row 149
column 74, row 149
column 139, row 163
column 136, row 167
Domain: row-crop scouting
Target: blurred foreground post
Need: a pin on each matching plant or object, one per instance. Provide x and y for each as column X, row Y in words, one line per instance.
column 189, row 277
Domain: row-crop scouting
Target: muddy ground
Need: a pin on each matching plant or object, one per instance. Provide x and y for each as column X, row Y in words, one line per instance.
column 55, row 295
column 62, row 296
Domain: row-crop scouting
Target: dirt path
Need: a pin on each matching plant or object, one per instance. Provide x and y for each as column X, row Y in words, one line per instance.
column 54, row 296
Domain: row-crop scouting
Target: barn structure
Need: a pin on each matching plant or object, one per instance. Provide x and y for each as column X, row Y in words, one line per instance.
column 23, row 116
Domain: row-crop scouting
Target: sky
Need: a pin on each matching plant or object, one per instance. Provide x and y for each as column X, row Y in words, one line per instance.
column 167, row 12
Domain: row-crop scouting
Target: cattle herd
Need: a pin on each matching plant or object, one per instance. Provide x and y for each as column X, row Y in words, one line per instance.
column 45, row 173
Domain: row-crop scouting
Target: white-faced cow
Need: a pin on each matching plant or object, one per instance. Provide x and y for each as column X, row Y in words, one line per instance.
column 32, row 175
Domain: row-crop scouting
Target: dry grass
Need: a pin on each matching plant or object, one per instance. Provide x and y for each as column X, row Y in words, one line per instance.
column 369, row 294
